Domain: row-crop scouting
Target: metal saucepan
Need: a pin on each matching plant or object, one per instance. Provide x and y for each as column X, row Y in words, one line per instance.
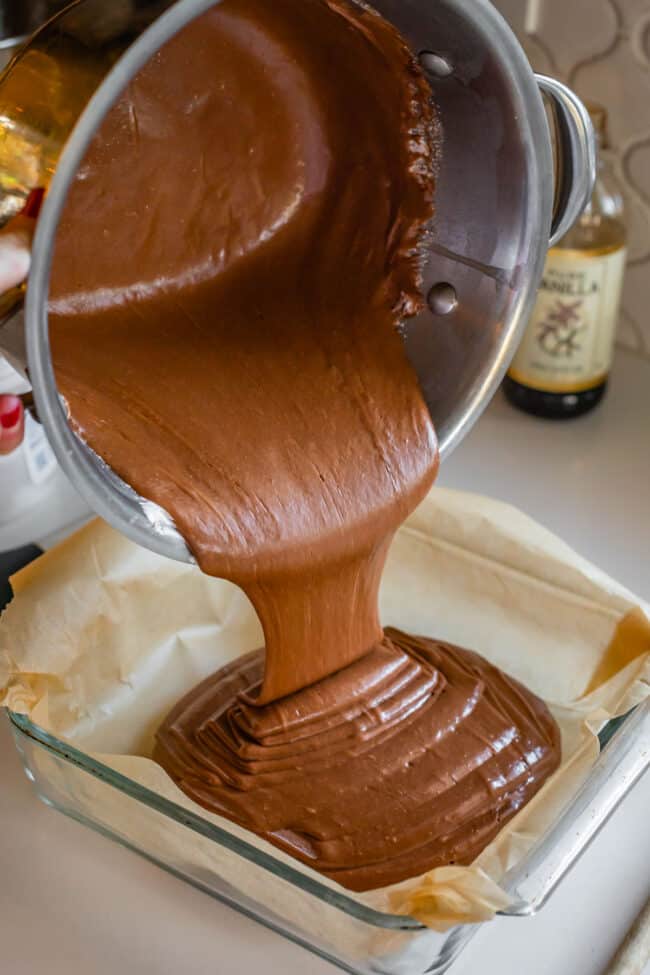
column 501, row 197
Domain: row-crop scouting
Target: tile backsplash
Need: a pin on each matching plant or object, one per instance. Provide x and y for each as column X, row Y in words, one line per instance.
column 601, row 48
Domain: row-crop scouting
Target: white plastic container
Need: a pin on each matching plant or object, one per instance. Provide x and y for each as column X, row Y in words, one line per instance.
column 37, row 503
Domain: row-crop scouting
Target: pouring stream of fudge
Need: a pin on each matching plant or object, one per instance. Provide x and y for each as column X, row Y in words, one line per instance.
column 235, row 256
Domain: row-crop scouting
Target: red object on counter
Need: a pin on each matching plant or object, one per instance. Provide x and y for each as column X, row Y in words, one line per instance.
column 12, row 423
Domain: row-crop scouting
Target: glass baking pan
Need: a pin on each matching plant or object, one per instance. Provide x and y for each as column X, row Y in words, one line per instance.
column 320, row 917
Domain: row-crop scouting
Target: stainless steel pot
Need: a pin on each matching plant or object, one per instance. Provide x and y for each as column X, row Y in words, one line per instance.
column 500, row 199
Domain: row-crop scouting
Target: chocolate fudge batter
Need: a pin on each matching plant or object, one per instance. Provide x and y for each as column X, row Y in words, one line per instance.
column 236, row 253
column 409, row 759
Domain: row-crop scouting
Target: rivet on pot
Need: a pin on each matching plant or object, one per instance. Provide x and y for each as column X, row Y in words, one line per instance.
column 442, row 298
column 435, row 64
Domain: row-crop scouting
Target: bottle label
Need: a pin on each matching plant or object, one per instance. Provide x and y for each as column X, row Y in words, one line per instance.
column 568, row 343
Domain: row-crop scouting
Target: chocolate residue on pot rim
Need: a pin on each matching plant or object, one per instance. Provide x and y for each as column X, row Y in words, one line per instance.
column 254, row 205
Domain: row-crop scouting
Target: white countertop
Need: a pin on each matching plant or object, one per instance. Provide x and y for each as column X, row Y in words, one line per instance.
column 71, row 902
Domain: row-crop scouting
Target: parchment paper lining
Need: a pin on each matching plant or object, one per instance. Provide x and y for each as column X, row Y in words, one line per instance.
column 103, row 637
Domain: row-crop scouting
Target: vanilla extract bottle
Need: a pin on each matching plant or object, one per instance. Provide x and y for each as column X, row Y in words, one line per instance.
column 561, row 367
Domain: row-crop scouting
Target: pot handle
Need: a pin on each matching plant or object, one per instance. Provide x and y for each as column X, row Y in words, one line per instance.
column 575, row 169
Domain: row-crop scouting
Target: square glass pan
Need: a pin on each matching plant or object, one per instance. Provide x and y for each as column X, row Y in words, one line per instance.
column 323, row 919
